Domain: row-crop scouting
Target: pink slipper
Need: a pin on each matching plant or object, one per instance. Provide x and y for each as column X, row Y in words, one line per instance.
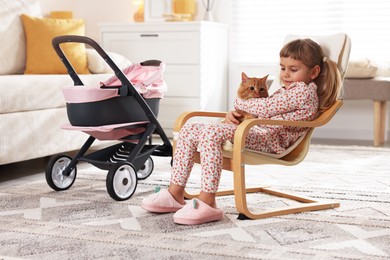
column 161, row 202
column 197, row 212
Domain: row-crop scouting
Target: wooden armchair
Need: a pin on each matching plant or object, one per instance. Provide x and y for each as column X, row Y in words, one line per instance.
column 236, row 159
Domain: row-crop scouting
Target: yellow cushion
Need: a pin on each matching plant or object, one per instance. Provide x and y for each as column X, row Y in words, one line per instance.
column 40, row 55
column 61, row 14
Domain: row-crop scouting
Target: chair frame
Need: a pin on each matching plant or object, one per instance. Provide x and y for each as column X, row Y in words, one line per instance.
column 235, row 161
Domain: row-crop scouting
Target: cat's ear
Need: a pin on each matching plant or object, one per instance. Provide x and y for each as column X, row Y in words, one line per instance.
column 244, row 77
column 265, row 81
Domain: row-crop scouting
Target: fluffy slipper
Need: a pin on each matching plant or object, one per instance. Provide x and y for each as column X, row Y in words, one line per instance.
column 161, row 202
column 197, row 212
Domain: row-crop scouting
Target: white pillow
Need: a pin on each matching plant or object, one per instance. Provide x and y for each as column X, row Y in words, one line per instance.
column 12, row 40
column 97, row 65
column 361, row 69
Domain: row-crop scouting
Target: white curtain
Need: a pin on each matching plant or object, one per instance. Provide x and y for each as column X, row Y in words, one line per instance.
column 259, row 27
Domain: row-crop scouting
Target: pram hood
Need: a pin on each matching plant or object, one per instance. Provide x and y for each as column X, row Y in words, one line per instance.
column 148, row 80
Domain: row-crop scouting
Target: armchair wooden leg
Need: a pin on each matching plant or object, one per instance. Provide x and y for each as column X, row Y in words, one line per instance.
column 240, row 195
column 306, row 204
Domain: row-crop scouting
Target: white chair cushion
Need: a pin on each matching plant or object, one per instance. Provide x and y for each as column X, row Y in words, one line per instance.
column 228, row 149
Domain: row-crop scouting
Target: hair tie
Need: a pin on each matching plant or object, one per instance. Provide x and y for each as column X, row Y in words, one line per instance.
column 324, row 59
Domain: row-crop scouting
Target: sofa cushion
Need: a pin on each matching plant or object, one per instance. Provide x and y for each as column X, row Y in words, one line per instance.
column 34, row 92
column 361, row 69
column 41, row 57
column 12, row 40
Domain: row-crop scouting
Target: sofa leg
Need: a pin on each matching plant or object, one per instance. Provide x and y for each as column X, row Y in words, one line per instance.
column 379, row 122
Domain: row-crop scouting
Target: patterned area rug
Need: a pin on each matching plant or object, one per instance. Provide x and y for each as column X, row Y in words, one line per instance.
column 85, row 223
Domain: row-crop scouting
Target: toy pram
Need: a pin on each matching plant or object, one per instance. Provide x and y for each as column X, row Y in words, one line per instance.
column 115, row 110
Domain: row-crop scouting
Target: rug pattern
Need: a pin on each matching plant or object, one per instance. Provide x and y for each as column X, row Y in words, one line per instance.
column 85, row 223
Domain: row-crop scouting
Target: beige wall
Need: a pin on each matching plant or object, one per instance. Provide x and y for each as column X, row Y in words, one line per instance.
column 92, row 11
column 104, row 11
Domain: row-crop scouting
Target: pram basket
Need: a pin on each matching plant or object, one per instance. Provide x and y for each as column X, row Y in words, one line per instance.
column 113, row 111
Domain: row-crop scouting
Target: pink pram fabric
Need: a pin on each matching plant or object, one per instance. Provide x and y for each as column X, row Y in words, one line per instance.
column 82, row 94
column 108, row 132
column 148, row 80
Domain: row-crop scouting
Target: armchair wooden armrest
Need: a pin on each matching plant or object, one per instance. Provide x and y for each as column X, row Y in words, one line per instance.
column 322, row 119
column 185, row 116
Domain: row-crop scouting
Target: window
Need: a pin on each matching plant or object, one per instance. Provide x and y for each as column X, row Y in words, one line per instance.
column 259, row 27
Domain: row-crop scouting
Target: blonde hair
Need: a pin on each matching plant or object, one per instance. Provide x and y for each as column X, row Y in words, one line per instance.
column 310, row 54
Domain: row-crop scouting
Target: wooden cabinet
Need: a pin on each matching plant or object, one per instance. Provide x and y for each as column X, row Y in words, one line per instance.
column 196, row 57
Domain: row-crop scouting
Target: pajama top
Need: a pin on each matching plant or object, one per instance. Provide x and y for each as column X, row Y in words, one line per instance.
column 298, row 102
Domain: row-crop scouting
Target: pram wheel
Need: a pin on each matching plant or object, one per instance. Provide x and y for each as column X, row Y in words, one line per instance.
column 55, row 176
column 146, row 169
column 121, row 181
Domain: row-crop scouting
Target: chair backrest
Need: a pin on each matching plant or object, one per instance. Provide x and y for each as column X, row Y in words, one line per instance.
column 336, row 47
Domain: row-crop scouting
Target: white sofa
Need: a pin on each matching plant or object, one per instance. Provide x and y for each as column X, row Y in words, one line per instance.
column 32, row 111
column 32, row 108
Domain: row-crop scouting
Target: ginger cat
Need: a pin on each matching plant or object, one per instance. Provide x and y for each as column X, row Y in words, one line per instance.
column 251, row 88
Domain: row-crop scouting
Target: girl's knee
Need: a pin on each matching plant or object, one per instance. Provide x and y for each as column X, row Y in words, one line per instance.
column 189, row 131
column 216, row 132
column 191, row 128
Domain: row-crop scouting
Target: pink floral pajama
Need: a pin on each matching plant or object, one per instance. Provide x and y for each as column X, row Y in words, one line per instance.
column 208, row 139
column 298, row 102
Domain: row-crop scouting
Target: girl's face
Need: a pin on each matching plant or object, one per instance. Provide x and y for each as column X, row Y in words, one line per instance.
column 295, row 71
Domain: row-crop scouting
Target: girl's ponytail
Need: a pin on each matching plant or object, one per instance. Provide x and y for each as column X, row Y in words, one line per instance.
column 328, row 83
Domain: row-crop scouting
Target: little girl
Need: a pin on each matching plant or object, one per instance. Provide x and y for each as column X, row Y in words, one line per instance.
column 311, row 83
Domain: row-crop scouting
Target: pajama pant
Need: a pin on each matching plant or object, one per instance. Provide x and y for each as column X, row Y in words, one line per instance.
column 208, row 139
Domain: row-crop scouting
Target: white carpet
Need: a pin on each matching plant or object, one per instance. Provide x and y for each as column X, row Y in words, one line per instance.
column 85, row 223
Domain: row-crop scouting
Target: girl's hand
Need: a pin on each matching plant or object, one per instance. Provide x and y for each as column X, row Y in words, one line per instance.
column 232, row 117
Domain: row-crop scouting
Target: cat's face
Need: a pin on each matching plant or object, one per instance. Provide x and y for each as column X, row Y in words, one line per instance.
column 252, row 87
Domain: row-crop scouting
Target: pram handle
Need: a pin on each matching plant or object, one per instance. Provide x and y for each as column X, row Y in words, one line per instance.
column 126, row 84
